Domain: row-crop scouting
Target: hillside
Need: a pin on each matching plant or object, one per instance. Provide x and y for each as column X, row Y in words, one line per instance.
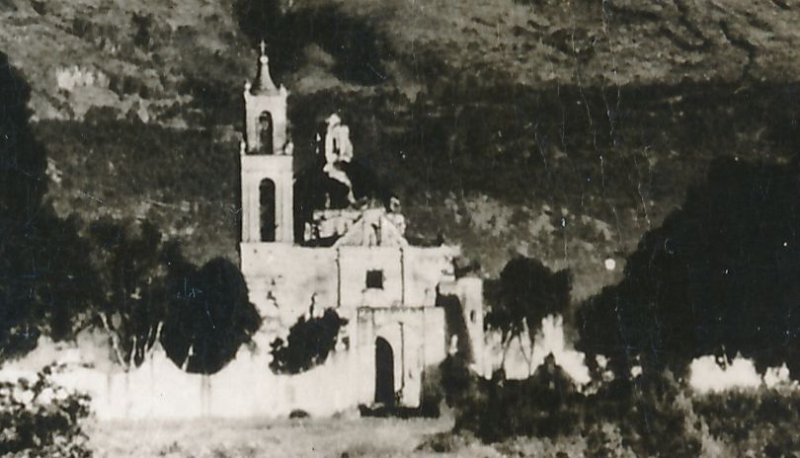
column 561, row 130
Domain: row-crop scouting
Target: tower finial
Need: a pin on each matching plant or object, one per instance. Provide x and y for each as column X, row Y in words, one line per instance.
column 263, row 83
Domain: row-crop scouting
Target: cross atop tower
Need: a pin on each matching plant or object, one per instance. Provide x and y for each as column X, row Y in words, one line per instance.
column 265, row 112
column 263, row 83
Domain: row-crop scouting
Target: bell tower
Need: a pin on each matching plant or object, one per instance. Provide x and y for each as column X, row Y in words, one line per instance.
column 266, row 161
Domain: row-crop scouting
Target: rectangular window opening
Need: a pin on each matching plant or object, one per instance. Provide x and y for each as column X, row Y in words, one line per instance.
column 375, row 279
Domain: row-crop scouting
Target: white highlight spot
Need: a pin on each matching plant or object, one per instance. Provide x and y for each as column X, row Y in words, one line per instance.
column 610, row 264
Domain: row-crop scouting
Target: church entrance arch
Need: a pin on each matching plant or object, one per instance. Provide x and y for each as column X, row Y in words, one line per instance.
column 384, row 372
column 266, row 191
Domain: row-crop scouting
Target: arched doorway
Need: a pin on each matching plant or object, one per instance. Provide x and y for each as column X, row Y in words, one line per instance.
column 384, row 372
column 266, row 191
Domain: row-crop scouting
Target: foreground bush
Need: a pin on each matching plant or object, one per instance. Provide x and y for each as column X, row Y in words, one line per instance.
column 648, row 417
column 760, row 423
column 40, row 419
column 645, row 416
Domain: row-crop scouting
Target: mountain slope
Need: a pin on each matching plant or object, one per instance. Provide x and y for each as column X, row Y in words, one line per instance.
column 561, row 130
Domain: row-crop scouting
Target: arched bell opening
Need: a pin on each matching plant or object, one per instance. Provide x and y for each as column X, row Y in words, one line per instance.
column 266, row 192
column 265, row 132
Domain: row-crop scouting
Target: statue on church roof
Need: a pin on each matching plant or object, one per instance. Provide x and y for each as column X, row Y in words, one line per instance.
column 338, row 150
column 338, row 147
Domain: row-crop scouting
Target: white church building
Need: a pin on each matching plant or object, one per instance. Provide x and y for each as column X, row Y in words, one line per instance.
column 404, row 305
column 366, row 270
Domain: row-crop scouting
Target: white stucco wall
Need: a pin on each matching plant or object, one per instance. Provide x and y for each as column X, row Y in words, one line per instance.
column 246, row 387
column 291, row 275
column 355, row 262
column 336, row 277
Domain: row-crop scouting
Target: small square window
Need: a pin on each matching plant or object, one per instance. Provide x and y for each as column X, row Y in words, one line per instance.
column 375, row 279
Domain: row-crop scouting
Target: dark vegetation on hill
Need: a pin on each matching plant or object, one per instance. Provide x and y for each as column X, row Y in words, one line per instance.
column 718, row 277
column 41, row 256
column 558, row 185
column 60, row 276
column 483, row 150
column 184, row 182
column 559, row 131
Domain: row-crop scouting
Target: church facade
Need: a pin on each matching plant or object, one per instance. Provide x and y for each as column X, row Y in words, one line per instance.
column 404, row 305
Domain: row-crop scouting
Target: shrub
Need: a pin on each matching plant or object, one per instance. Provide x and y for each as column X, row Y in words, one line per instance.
column 456, row 380
column 298, row 413
column 763, row 422
column 543, row 405
column 308, row 344
column 432, row 393
column 450, row 382
column 646, row 416
column 42, row 419
column 605, row 440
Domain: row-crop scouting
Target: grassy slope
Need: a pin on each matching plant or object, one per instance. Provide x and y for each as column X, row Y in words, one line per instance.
column 558, row 129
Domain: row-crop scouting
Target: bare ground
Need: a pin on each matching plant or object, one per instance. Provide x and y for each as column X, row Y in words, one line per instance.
column 362, row 437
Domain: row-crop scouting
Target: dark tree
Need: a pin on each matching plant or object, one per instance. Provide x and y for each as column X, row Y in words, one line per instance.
column 525, row 293
column 22, row 159
column 718, row 277
column 45, row 278
column 130, row 281
column 210, row 316
column 309, row 343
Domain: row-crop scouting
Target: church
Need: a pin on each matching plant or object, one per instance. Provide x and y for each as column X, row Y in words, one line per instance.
column 405, row 307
